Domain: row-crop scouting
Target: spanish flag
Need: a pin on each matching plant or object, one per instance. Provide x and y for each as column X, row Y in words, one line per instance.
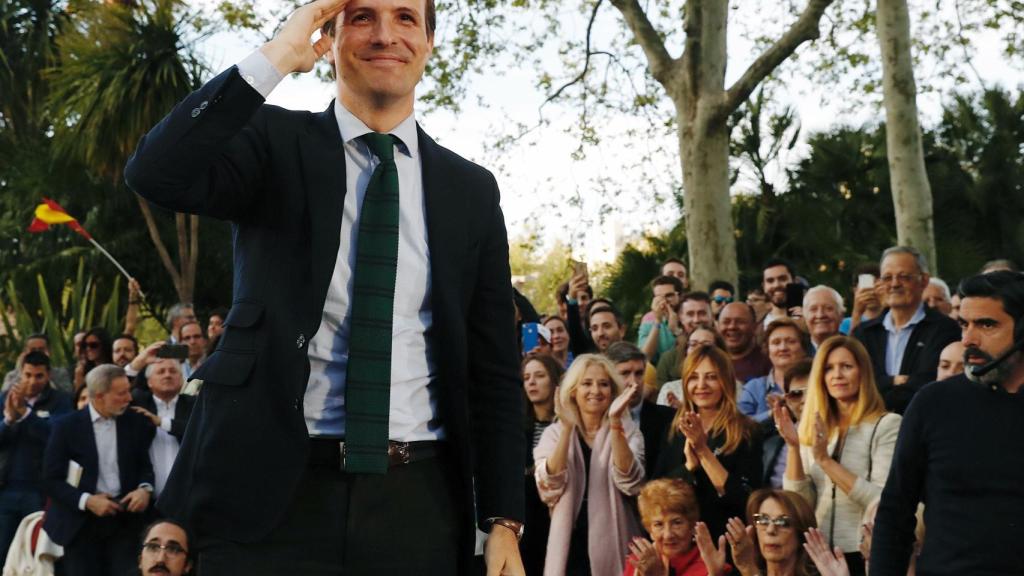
column 49, row 212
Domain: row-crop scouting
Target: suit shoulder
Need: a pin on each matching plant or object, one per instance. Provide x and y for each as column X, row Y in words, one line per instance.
column 452, row 160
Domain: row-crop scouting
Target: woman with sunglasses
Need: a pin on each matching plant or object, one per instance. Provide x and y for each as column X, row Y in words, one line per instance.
column 710, row 442
column 772, row 542
column 839, row 456
column 671, row 393
column 95, row 348
column 786, row 342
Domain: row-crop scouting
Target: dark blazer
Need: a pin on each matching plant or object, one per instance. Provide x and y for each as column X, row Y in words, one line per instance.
column 182, row 410
column 655, row 422
column 279, row 177
column 22, row 444
column 920, row 360
column 72, row 438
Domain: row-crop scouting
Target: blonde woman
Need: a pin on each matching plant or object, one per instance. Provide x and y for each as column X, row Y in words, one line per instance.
column 711, row 443
column 839, row 457
column 587, row 465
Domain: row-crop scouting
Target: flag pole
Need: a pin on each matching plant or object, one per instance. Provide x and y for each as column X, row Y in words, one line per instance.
column 114, row 260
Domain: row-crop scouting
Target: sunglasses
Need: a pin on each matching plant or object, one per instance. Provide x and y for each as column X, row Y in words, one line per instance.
column 89, row 345
column 764, row 520
column 722, row 299
column 796, row 393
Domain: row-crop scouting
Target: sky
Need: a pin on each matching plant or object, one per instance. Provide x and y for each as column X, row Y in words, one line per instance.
column 540, row 170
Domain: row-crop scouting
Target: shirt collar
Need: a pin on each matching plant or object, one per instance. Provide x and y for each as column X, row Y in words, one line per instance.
column 95, row 416
column 352, row 128
column 914, row 320
column 170, row 404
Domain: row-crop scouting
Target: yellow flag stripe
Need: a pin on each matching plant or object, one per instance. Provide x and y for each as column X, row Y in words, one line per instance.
column 51, row 216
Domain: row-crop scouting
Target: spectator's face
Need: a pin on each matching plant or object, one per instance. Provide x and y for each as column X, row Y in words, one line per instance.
column 704, row 386
column 695, row 313
column 678, row 270
column 92, row 346
column 935, row 298
column 593, row 394
column 37, row 345
column 668, row 292
column 124, row 352
column 778, row 545
column 774, row 282
column 165, row 379
column 82, row 400
column 604, row 330
column 903, row 281
column 954, row 305
column 842, row 375
column 79, row 336
column 719, row 298
column 632, row 371
column 583, row 300
column 736, row 327
column 172, row 558
column 114, row 401
column 188, row 314
column 559, row 335
column 537, row 383
column 33, row 380
column 986, row 333
column 796, row 394
column 671, row 532
column 192, row 336
column 784, row 348
column 951, row 361
column 822, row 315
column 700, row 337
column 215, row 327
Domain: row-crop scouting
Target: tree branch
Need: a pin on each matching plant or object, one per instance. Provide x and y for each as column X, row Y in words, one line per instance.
column 805, row 29
column 691, row 48
column 154, row 235
column 658, row 58
column 586, row 59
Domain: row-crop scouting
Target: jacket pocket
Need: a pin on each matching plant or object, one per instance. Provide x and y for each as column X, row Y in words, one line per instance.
column 226, row 367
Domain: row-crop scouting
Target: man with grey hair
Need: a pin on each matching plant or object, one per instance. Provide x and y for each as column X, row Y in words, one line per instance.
column 180, row 314
column 823, row 311
column 938, row 297
column 906, row 340
column 98, row 476
column 168, row 410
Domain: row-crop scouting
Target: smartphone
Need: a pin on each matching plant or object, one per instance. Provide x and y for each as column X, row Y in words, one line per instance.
column 578, row 268
column 176, row 351
column 794, row 295
column 865, row 281
column 531, row 336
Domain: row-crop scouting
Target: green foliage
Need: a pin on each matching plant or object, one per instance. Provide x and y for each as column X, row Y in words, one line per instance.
column 540, row 274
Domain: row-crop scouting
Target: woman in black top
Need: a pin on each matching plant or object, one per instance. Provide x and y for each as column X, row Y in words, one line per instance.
column 541, row 376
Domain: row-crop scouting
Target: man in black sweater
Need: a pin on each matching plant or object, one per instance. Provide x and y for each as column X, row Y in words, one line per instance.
column 958, row 450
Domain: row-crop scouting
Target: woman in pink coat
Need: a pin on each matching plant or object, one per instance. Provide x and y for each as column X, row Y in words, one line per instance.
column 587, row 465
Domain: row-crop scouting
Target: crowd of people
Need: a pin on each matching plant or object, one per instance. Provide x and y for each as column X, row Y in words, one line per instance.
column 760, row 436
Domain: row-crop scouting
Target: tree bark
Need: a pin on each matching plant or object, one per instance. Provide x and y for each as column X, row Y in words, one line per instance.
column 911, row 193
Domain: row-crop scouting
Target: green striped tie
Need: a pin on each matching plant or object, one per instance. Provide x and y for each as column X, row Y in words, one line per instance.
column 368, row 378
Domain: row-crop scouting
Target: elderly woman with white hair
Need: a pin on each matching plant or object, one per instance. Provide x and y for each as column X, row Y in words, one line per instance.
column 823, row 312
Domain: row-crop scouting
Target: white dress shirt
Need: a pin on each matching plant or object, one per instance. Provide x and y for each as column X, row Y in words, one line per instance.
column 413, row 407
column 164, row 448
column 108, row 477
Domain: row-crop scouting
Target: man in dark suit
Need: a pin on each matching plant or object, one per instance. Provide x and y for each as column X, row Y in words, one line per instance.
column 29, row 408
column 98, row 475
column 654, row 420
column 168, row 410
column 269, row 473
column 905, row 342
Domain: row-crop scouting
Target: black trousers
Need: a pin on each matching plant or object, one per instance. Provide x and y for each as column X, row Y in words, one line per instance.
column 108, row 546
column 407, row 521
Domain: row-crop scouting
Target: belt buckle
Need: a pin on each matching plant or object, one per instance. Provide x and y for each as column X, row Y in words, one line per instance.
column 398, row 453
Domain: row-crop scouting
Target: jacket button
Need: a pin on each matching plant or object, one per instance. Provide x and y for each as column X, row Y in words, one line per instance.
column 196, row 112
column 300, row 341
column 204, row 105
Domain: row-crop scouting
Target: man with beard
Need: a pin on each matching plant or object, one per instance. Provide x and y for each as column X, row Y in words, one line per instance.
column 165, row 549
column 776, row 275
column 126, row 348
column 957, row 449
column 606, row 326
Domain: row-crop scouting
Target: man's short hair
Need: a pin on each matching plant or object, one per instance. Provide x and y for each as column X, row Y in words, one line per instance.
column 773, row 262
column 672, row 260
column 149, row 368
column 942, row 286
column 922, row 264
column 177, row 311
column 836, row 297
column 1003, row 285
column 37, row 359
column 563, row 292
column 189, row 323
column 696, row 295
column 801, row 369
column 100, row 378
column 605, row 307
column 721, row 285
column 668, row 281
column 623, row 351
column 38, row 336
column 999, row 264
column 222, row 312
column 128, row 337
column 188, row 534
column 430, row 16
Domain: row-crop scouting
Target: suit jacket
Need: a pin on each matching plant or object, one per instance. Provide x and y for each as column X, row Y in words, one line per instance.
column 920, row 360
column 279, row 177
column 182, row 410
column 22, row 444
column 655, row 422
column 72, row 438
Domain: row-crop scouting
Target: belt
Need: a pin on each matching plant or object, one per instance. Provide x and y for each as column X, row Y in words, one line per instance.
column 330, row 453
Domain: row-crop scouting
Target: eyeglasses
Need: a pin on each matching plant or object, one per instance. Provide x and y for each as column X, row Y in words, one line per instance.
column 795, row 393
column 722, row 299
column 171, row 549
column 764, row 520
column 901, row 278
column 90, row 345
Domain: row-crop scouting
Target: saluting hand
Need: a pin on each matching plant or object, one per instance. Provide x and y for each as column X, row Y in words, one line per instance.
column 292, row 49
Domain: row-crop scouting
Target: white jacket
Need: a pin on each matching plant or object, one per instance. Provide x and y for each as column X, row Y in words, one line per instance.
column 22, row 560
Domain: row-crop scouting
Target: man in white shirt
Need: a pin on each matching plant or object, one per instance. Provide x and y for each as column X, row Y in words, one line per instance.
column 168, row 410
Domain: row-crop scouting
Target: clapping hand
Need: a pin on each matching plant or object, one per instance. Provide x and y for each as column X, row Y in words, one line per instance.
column 15, row 405
column 647, row 559
column 691, row 427
column 620, row 404
column 673, row 400
column 820, row 447
column 828, row 562
column 714, row 557
column 741, row 540
column 784, row 424
column 564, row 413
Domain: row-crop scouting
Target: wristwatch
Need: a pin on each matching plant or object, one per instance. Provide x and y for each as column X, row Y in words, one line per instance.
column 516, row 527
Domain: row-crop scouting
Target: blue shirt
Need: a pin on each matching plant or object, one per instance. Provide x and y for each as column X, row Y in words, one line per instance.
column 754, row 399
column 896, row 345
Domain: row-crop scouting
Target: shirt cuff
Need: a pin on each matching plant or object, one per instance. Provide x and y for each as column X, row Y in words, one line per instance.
column 165, row 423
column 130, row 372
column 259, row 73
column 82, row 499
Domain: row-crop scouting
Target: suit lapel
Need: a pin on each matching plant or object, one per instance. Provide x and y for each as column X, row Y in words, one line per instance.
column 123, row 435
column 323, row 168
column 92, row 455
column 446, row 237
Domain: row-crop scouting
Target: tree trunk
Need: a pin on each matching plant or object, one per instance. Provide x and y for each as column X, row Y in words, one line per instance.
column 911, row 193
